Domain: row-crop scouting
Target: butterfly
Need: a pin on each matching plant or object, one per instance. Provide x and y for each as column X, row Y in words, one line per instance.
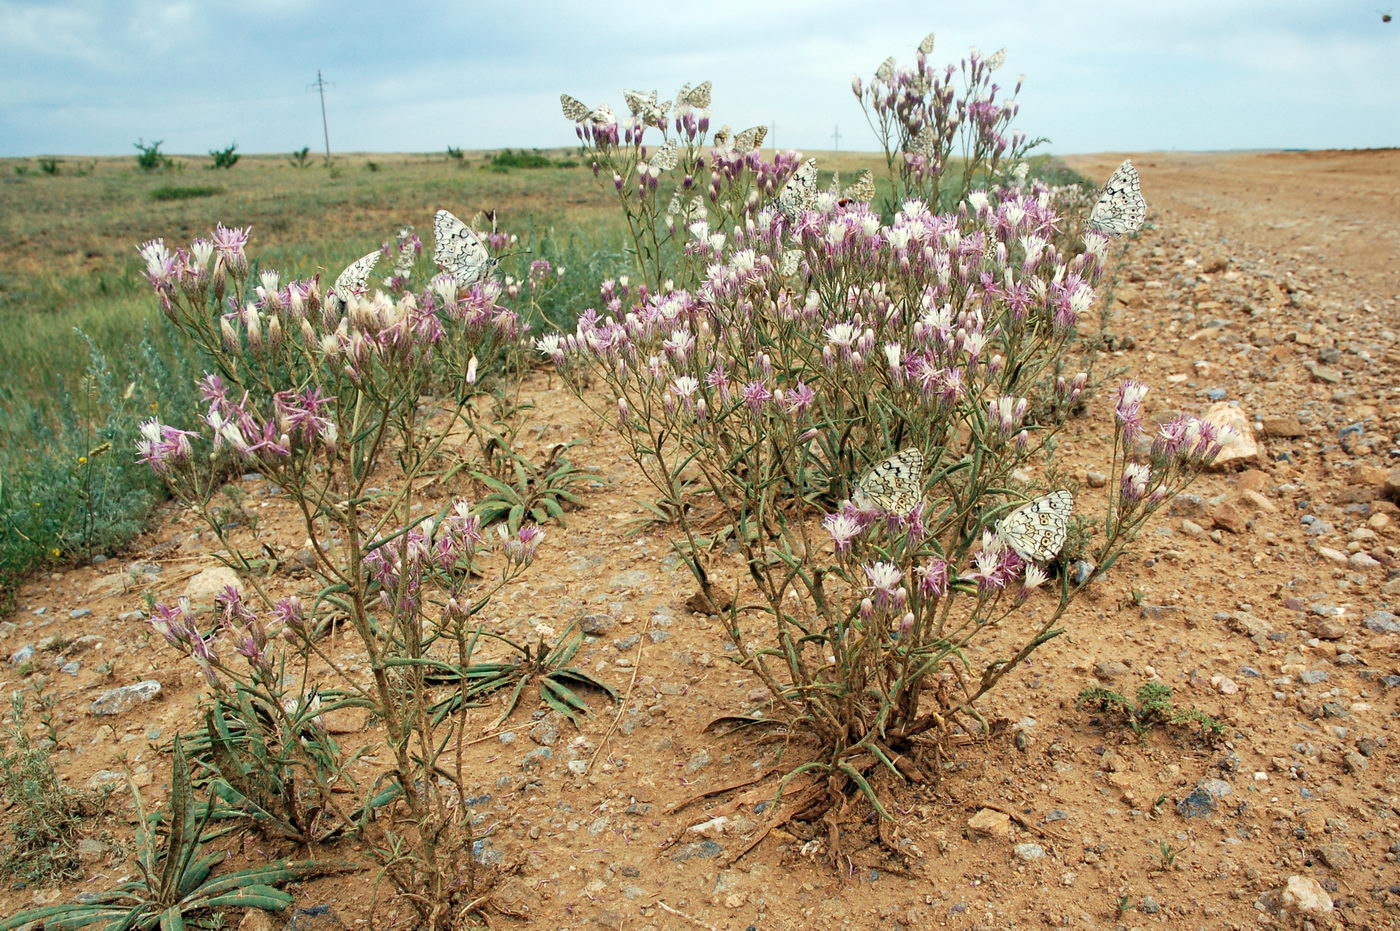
column 885, row 73
column 926, row 46
column 895, row 486
column 697, row 96
column 1120, row 208
column 574, row 109
column 797, row 195
column 458, row 251
column 861, row 191
column 1036, row 530
column 352, row 280
column 750, row 139
column 665, row 157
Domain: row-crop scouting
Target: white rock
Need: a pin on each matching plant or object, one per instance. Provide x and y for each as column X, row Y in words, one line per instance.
column 1305, row 895
column 211, row 582
column 115, row 701
column 1241, row 445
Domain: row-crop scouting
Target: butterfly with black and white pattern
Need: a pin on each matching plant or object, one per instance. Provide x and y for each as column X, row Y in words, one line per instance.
column 1037, row 529
column 894, row 485
column 352, row 280
column 458, row 250
column 1120, row 208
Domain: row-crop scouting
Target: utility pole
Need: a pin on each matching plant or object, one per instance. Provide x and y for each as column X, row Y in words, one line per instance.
column 320, row 86
column 772, row 131
column 836, row 139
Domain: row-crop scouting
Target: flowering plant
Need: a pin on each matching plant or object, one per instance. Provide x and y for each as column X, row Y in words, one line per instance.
column 877, row 610
column 321, row 390
column 923, row 120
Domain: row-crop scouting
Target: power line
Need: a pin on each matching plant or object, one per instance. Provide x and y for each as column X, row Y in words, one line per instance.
column 320, row 86
column 836, row 139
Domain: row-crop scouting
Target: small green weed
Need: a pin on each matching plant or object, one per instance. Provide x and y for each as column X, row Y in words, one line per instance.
column 46, row 817
column 539, row 493
column 1153, row 707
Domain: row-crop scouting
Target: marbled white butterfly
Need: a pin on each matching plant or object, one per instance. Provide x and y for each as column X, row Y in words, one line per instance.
column 458, row 251
column 1036, row 530
column 1120, row 208
column 352, row 280
column 797, row 195
column 895, row 486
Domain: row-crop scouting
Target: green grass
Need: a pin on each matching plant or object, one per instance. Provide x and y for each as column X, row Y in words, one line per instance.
column 185, row 193
column 87, row 355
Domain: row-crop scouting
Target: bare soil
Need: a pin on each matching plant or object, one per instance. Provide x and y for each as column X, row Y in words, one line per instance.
column 1266, row 279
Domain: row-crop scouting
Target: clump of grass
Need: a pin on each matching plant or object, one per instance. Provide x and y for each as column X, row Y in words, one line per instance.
column 1152, row 708
column 46, row 817
column 506, row 159
column 172, row 192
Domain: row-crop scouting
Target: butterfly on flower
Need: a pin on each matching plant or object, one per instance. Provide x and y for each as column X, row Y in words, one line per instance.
column 799, row 191
column 1120, row 208
column 895, row 485
column 750, row 139
column 697, row 96
column 666, row 156
column 861, row 190
column 1036, row 530
column 574, row 109
column 352, row 280
column 458, row 251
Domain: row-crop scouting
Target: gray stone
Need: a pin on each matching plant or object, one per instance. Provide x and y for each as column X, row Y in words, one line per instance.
column 1109, row 670
column 79, row 612
column 115, row 701
column 698, row 850
column 1198, row 803
column 1029, row 852
column 1382, row 622
column 1312, row 676
column 23, row 655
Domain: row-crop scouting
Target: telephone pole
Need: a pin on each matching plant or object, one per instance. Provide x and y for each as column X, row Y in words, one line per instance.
column 772, row 131
column 836, row 139
column 320, row 86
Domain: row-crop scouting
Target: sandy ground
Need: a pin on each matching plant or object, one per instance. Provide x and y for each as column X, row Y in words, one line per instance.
column 1264, row 279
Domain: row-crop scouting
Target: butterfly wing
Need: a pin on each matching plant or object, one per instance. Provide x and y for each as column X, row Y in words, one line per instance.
column 1037, row 529
column 458, row 251
column 352, row 280
column 1120, row 208
column 895, row 485
column 796, row 195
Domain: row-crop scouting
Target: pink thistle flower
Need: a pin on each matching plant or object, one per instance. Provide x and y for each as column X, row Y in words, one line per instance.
column 932, row 578
column 883, row 579
column 1128, row 410
column 229, row 245
column 755, row 395
column 844, row 526
column 799, row 399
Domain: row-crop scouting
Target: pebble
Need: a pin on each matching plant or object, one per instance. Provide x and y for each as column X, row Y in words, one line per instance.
column 697, row 850
column 990, row 823
column 79, row 612
column 1198, row 803
column 23, row 655
column 1109, row 670
column 1029, row 852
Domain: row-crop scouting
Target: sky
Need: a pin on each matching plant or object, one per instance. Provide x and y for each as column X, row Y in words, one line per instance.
column 91, row 77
